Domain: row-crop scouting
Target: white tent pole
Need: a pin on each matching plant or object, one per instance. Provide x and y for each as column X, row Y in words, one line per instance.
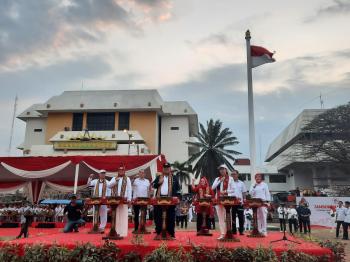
column 76, row 177
column 252, row 146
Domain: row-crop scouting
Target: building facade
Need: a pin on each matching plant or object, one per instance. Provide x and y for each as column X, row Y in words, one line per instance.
column 303, row 173
column 109, row 122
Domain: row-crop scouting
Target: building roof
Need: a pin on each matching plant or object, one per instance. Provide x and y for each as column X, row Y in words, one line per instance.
column 31, row 112
column 292, row 132
column 113, row 101
column 108, row 100
column 103, row 100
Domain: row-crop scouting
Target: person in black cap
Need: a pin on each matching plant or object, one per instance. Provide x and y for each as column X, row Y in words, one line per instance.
column 73, row 210
column 166, row 185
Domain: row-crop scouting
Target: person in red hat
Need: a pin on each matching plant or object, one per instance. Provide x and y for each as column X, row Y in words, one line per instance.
column 202, row 190
column 121, row 186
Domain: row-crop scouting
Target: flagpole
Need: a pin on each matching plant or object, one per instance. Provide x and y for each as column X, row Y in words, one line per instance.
column 252, row 145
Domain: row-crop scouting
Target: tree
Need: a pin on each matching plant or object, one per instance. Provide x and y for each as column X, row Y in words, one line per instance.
column 182, row 171
column 212, row 144
column 327, row 138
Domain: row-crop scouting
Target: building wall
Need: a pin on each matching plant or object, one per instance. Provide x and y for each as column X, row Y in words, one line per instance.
column 57, row 122
column 173, row 141
column 34, row 138
column 146, row 124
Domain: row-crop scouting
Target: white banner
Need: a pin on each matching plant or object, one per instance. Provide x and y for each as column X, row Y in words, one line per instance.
column 321, row 209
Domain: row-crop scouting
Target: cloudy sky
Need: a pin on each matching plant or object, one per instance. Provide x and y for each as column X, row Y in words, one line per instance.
column 190, row 50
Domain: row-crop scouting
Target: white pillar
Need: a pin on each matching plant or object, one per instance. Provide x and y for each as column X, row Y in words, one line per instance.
column 252, row 145
column 76, row 177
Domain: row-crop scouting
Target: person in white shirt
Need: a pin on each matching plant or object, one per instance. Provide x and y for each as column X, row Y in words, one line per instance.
column 292, row 215
column 282, row 217
column 101, row 189
column 121, row 186
column 346, row 223
column 25, row 220
column 259, row 189
column 141, row 188
column 240, row 191
column 248, row 217
column 339, row 217
column 224, row 187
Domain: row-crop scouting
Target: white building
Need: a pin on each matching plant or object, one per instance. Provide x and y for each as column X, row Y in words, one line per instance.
column 119, row 122
column 300, row 172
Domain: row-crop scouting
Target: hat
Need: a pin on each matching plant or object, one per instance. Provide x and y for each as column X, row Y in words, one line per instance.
column 165, row 165
column 102, row 171
column 223, row 166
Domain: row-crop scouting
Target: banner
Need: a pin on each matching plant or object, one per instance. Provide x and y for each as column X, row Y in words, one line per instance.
column 321, row 209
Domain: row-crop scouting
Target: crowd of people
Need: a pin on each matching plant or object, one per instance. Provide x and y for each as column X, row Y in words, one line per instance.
column 166, row 185
column 297, row 217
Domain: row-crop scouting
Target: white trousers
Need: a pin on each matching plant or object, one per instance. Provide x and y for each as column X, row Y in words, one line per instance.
column 247, row 224
column 262, row 219
column 221, row 212
column 103, row 217
column 190, row 215
column 121, row 220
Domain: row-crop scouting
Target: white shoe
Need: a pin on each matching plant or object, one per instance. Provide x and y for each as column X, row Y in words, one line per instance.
column 221, row 237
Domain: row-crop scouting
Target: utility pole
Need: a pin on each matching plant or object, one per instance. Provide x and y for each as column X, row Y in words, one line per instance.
column 12, row 125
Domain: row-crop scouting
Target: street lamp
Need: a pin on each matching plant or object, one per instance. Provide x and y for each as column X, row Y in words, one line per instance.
column 129, row 139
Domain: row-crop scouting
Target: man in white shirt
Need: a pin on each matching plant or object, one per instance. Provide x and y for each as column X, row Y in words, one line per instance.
column 100, row 189
column 339, row 217
column 259, row 189
column 224, row 187
column 121, row 186
column 141, row 188
column 346, row 223
column 282, row 216
column 240, row 191
column 292, row 215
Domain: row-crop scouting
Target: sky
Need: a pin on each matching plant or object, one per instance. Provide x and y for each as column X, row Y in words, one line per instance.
column 191, row 50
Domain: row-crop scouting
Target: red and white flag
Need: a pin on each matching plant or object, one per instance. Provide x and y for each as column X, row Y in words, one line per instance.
column 260, row 56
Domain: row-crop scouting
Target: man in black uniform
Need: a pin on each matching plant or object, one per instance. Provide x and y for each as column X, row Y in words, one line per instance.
column 166, row 185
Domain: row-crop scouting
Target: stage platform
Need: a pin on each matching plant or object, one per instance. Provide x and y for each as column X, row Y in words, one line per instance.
column 183, row 238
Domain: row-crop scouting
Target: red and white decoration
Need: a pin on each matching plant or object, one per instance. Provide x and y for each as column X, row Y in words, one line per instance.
column 67, row 174
column 260, row 56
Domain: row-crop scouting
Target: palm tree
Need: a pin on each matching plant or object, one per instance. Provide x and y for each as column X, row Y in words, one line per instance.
column 212, row 144
column 182, row 171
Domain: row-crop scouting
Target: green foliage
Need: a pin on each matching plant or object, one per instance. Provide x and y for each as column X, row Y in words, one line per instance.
column 213, row 143
column 337, row 248
column 294, row 256
column 35, row 253
column 109, row 252
column 58, row 254
column 8, row 253
column 264, row 255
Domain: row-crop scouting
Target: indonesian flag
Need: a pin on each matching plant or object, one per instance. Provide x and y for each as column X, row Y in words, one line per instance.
column 260, row 56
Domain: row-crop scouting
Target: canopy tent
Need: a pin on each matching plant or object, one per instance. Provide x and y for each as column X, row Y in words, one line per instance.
column 67, row 173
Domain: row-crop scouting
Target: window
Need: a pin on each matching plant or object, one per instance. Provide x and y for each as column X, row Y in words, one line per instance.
column 100, row 121
column 244, row 177
column 77, row 122
column 124, row 121
column 278, row 179
column 174, row 128
column 38, row 130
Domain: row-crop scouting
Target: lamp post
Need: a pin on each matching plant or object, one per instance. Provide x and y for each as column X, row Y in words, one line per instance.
column 129, row 139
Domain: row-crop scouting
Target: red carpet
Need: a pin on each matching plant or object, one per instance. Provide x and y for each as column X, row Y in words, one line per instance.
column 183, row 238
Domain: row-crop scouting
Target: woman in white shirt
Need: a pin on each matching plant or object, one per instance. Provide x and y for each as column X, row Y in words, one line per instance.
column 261, row 190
